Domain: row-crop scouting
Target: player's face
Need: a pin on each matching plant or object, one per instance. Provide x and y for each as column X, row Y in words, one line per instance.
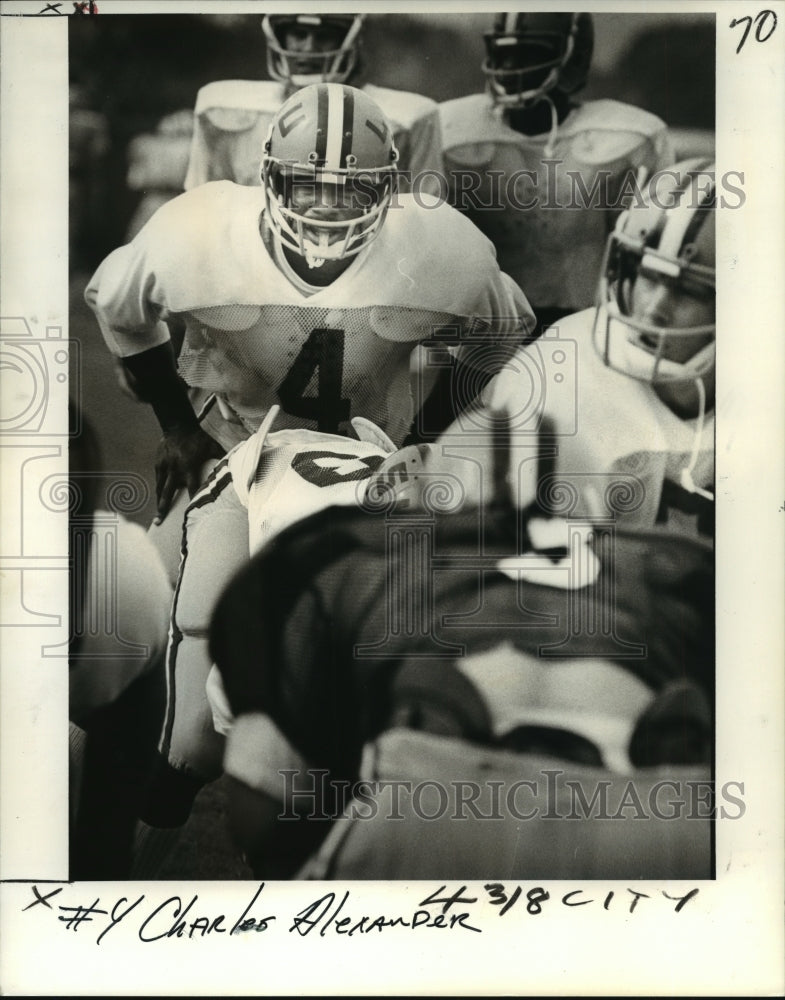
column 332, row 203
column 659, row 304
column 310, row 40
column 528, row 62
column 327, row 203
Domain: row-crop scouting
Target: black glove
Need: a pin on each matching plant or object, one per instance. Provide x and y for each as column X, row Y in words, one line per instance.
column 185, row 447
column 181, row 454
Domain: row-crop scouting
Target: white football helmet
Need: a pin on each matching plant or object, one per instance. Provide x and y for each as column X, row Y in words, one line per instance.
column 328, row 53
column 666, row 240
column 332, row 138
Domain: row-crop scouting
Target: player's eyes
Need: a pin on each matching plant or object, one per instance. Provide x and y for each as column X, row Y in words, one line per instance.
column 328, row 41
column 650, row 341
column 296, row 36
column 696, row 289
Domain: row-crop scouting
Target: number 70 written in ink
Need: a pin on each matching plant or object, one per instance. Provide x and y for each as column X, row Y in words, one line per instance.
column 765, row 26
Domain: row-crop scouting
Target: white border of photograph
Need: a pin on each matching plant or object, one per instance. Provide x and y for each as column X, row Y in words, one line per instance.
column 727, row 940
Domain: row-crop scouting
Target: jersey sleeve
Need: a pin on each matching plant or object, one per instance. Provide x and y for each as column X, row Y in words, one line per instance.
column 502, row 322
column 627, row 139
column 456, row 271
column 122, row 295
column 169, row 266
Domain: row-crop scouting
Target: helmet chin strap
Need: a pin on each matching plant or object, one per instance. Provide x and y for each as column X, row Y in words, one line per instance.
column 687, row 482
column 312, row 258
column 313, row 262
column 550, row 144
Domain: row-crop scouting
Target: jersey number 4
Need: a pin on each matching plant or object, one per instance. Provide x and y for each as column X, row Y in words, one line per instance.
column 323, row 353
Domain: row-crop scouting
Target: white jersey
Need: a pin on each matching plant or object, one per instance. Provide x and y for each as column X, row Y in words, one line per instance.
column 206, row 262
column 285, row 476
column 550, row 247
column 232, row 118
column 616, row 450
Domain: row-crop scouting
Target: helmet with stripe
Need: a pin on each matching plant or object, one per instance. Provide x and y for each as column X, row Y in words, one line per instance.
column 329, row 171
column 529, row 55
column 312, row 48
column 655, row 318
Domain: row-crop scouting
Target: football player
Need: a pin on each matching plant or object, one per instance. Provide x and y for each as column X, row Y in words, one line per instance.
column 231, row 117
column 263, row 485
column 311, row 291
column 542, row 174
column 392, row 650
column 626, row 390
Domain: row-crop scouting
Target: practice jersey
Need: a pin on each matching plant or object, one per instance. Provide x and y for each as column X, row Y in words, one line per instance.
column 611, row 447
column 285, row 476
column 541, row 199
column 232, row 118
column 347, row 617
column 206, row 262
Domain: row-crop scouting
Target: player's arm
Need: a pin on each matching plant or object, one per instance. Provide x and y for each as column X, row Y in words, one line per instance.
column 469, row 358
column 128, row 306
column 184, row 447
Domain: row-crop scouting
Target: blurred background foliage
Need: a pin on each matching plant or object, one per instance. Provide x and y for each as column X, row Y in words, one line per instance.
column 128, row 71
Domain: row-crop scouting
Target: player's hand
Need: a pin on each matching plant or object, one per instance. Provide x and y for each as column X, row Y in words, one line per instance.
column 179, row 460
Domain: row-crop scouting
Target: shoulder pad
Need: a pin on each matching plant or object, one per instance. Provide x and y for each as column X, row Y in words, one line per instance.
column 401, row 107
column 235, row 105
column 612, row 116
column 471, row 125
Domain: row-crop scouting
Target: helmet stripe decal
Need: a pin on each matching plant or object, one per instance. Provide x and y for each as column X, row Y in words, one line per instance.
column 699, row 217
column 334, row 126
column 680, row 220
column 511, row 24
column 321, row 125
column 656, row 233
column 347, row 130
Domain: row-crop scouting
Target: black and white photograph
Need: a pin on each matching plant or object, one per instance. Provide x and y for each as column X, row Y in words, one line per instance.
column 392, row 425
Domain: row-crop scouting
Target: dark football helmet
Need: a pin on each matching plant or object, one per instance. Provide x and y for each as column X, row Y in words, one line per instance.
column 529, row 55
